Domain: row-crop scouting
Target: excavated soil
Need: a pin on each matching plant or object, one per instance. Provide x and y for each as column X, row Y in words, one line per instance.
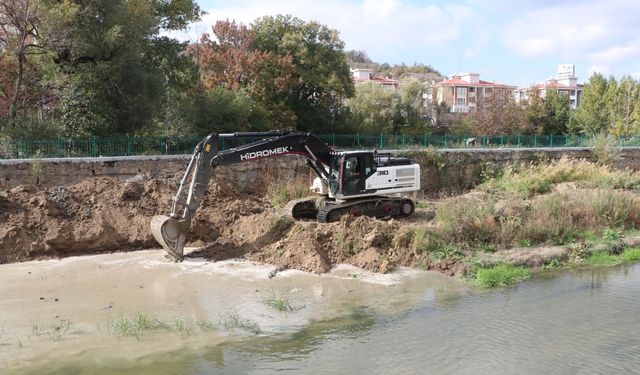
column 106, row 215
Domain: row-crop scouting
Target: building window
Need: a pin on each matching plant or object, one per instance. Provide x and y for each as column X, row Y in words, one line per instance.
column 461, row 95
column 472, row 89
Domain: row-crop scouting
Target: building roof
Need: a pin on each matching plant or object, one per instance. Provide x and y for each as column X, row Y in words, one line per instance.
column 457, row 81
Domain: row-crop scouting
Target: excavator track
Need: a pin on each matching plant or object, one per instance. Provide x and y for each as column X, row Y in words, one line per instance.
column 378, row 207
column 302, row 208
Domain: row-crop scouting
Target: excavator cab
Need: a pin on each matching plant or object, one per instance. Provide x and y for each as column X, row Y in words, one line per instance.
column 349, row 172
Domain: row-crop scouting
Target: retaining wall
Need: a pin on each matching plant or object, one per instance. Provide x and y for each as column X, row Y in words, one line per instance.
column 450, row 170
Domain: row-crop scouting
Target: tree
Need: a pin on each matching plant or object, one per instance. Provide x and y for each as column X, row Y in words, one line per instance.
column 320, row 70
column 373, row 109
column 117, row 66
column 231, row 60
column 358, row 57
column 622, row 106
column 27, row 28
column 592, row 116
column 499, row 114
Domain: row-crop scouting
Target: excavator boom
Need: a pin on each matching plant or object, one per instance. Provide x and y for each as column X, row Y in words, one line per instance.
column 171, row 231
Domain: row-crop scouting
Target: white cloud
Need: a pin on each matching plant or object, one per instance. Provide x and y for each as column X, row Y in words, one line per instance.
column 617, row 53
column 385, row 29
column 602, row 32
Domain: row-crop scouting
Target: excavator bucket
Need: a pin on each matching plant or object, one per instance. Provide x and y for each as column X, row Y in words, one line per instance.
column 171, row 234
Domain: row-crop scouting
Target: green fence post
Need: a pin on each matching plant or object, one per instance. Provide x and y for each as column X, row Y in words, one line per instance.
column 358, row 139
column 551, row 140
column 519, row 143
column 94, row 147
column 403, row 140
column 333, row 139
column 445, row 140
column 501, row 140
column 566, row 140
column 535, row 140
column 425, row 140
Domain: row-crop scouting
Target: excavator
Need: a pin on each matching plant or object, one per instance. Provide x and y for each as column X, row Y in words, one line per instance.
column 358, row 183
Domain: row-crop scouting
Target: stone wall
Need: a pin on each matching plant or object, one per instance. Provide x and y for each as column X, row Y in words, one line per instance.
column 442, row 171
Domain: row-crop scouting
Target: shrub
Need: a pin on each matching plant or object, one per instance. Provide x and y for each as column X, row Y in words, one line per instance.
column 468, row 219
column 501, row 275
column 631, row 255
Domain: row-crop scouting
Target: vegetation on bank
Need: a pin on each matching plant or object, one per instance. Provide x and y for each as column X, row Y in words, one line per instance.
column 537, row 217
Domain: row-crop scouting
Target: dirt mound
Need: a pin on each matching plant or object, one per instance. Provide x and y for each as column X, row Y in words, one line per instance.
column 104, row 214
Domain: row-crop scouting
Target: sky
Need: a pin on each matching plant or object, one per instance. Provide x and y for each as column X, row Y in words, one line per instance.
column 517, row 42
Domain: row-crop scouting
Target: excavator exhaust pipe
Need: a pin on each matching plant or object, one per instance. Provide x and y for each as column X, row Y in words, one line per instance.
column 171, row 233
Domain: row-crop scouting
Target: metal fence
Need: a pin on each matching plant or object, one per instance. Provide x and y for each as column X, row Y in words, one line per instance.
column 130, row 146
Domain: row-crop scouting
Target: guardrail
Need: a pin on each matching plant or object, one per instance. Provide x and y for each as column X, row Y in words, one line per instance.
column 131, row 146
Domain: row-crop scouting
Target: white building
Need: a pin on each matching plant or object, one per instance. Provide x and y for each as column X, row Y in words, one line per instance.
column 565, row 83
column 366, row 75
column 466, row 92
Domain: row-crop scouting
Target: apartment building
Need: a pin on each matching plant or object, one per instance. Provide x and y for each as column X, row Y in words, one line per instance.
column 565, row 83
column 365, row 75
column 466, row 92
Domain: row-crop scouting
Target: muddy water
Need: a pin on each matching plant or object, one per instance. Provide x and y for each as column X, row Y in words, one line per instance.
column 57, row 317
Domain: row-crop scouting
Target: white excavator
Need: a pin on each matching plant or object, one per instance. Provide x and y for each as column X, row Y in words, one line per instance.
column 358, row 183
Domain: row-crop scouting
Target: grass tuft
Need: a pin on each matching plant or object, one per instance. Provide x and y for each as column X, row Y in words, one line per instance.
column 280, row 224
column 232, row 321
column 501, row 275
column 279, row 303
column 631, row 254
column 280, row 193
column 603, row 259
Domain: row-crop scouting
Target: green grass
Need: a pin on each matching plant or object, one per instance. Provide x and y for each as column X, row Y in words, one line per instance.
column 631, row 254
column 279, row 304
column 281, row 193
column 501, row 275
column 232, row 321
column 134, row 326
column 603, row 259
column 140, row 322
column 422, row 204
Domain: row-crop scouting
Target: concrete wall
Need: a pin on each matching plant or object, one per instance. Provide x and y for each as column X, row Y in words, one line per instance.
column 442, row 171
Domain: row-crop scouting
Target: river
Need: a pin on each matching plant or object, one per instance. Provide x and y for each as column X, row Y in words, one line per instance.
column 57, row 317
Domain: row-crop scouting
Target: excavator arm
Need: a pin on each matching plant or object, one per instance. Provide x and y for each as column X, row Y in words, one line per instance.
column 171, row 231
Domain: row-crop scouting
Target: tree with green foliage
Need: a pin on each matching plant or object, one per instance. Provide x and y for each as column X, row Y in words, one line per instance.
column 375, row 109
column 592, row 115
column 117, row 66
column 320, row 70
column 622, row 107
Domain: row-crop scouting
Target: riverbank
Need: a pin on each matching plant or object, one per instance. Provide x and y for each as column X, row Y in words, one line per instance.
column 536, row 216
